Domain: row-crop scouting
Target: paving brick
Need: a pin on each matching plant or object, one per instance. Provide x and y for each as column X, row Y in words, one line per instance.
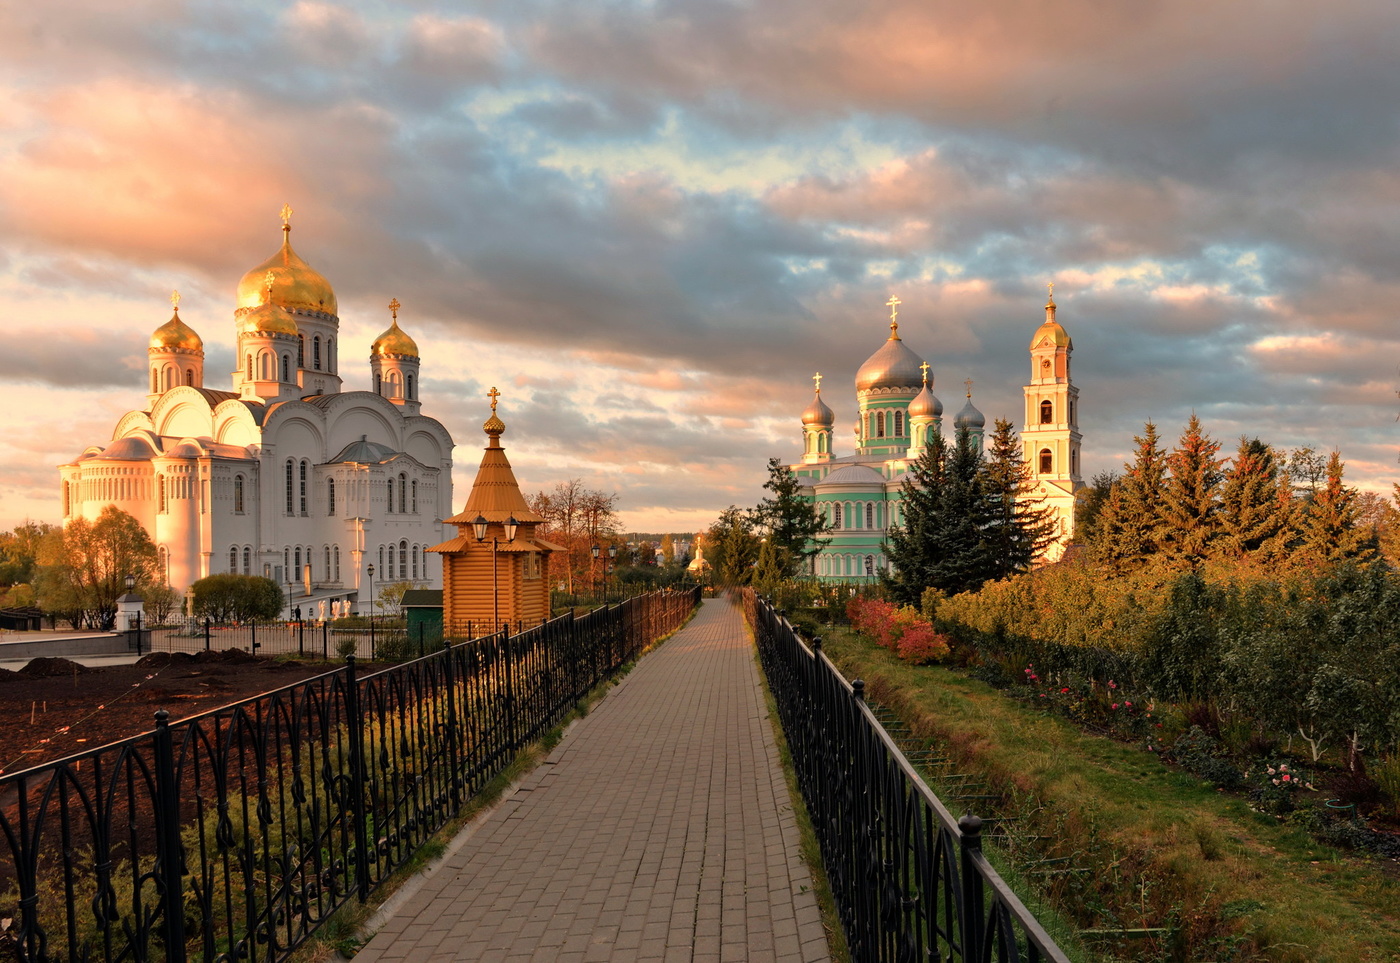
column 660, row 828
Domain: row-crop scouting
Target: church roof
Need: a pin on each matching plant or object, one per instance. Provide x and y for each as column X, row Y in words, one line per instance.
column 365, row 452
column 893, row 366
column 130, row 448
column 852, row 475
column 495, row 493
column 295, row 284
column 175, row 334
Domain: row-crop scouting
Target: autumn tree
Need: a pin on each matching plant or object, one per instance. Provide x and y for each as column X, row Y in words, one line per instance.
column 1256, row 503
column 576, row 517
column 1330, row 530
column 1130, row 524
column 789, row 521
column 83, row 567
column 1190, row 495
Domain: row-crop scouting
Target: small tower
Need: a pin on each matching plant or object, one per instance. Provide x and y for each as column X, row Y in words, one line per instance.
column 925, row 417
column 1051, row 436
column 267, row 351
column 496, row 569
column 394, row 361
column 816, row 428
column 970, row 418
column 176, row 355
column 885, row 385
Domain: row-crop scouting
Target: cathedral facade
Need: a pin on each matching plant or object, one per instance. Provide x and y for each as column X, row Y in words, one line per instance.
column 860, row 494
column 286, row 475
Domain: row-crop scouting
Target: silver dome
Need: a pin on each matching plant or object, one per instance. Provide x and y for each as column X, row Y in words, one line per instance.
column 893, row 366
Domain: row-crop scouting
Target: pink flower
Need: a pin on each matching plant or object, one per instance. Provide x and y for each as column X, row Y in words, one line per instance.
column 1286, row 777
column 1128, row 704
column 1112, row 684
column 1275, row 782
column 1115, row 705
column 1065, row 689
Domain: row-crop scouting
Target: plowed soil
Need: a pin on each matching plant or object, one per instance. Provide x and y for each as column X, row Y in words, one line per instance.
column 53, row 707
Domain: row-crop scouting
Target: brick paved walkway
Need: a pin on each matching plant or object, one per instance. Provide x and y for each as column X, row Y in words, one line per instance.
column 659, row 829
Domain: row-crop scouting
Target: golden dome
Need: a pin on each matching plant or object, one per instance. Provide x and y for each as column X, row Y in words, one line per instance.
column 295, row 283
column 175, row 334
column 267, row 318
column 394, row 341
column 1050, row 330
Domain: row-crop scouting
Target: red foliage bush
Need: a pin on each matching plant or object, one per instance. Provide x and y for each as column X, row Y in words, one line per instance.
column 902, row 631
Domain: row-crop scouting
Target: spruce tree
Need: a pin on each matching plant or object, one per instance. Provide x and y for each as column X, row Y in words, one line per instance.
column 1256, row 511
column 1130, row 522
column 791, row 521
column 1330, row 531
column 1020, row 525
column 1190, row 494
column 913, row 546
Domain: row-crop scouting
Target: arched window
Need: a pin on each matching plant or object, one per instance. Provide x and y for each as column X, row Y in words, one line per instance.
column 393, row 391
column 302, row 487
column 250, row 366
column 1074, row 462
column 1047, row 413
column 336, row 576
column 286, row 367
column 316, row 352
column 389, row 504
column 382, row 570
column 879, row 424
column 189, row 377
column 378, row 384
column 155, row 381
column 414, row 554
column 328, row 562
column 247, row 560
column 330, row 496
column 330, row 355
column 415, row 496
column 267, row 365
column 297, row 557
column 403, row 493
column 301, row 351
column 1047, row 461
column 869, row 514
column 836, row 515
column 870, row 565
column 287, row 564
column 899, row 424
column 233, row 560
column 291, row 494
column 238, row 494
column 67, row 504
column 409, row 394
column 403, row 559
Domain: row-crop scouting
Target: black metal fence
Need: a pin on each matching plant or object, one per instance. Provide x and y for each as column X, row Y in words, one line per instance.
column 910, row 881
column 233, row 834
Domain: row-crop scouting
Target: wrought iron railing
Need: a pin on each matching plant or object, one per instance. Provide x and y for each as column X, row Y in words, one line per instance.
column 910, row 881
column 233, row 834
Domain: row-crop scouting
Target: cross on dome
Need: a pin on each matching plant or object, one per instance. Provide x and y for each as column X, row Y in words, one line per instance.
column 493, row 394
column 175, row 300
column 286, row 213
column 268, row 278
column 394, row 308
column 968, row 382
column 818, row 379
column 924, row 368
column 893, row 303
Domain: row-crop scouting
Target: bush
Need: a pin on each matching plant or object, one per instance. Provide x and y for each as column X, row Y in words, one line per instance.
column 241, row 598
column 1201, row 753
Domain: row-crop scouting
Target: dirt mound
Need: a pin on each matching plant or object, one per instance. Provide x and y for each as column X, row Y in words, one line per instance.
column 227, row 656
column 45, row 667
column 159, row 660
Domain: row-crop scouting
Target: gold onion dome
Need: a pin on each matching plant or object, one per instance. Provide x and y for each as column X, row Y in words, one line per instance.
column 394, row 341
column 295, row 284
column 176, row 334
column 269, row 319
column 818, row 413
column 925, row 404
column 1051, row 329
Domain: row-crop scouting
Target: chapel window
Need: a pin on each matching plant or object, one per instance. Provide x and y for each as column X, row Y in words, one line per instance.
column 414, row 489
column 302, row 487
column 316, row 352
column 301, row 351
column 233, row 560
column 1047, row 461
column 250, row 366
column 247, row 560
column 160, row 488
column 189, row 377
column 330, row 496
column 869, row 514
column 879, row 424
column 403, row 559
column 899, row 424
column 155, row 381
column 836, row 515
column 291, row 494
column 1047, row 413
column 238, row 494
column 869, row 565
column 403, row 493
column 286, row 367
column 410, row 387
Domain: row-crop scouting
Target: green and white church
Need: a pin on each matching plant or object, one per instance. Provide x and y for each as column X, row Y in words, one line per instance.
column 860, row 494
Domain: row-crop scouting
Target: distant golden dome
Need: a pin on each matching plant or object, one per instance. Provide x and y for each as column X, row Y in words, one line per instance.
column 295, row 283
column 176, row 334
column 268, row 318
column 394, row 341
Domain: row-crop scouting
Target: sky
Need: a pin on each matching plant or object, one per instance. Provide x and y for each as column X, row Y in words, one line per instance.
column 650, row 223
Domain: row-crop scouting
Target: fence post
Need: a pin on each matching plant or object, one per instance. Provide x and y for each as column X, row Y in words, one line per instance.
column 354, row 725
column 301, row 637
column 207, row 625
column 971, row 844
column 253, row 625
column 325, row 640
column 169, row 853
column 454, row 780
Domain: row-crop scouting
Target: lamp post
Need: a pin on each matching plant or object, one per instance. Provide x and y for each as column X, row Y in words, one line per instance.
column 371, row 610
column 612, row 555
column 479, row 524
column 596, row 550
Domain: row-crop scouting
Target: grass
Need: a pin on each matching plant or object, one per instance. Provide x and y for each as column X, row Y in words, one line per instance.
column 1159, row 848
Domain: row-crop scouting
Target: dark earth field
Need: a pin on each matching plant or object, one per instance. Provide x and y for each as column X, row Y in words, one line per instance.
column 52, row 708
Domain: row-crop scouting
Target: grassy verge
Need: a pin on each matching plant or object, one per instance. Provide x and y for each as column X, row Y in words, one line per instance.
column 342, row 935
column 1144, row 847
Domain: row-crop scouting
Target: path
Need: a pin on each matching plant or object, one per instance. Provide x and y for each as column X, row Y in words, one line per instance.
column 660, row 828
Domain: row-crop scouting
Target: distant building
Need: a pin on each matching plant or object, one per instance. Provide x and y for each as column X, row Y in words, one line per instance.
column 861, row 494
column 286, row 475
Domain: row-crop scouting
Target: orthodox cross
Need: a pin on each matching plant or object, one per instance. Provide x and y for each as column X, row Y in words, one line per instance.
column 394, row 308
column 1051, row 286
column 818, row 379
column 268, row 278
column 924, row 368
column 493, row 394
column 286, row 217
column 175, row 300
column 893, row 303
column 968, row 382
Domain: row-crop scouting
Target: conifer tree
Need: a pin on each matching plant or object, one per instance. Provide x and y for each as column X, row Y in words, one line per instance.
column 791, row 522
column 1130, row 523
column 1190, row 494
column 1330, row 531
column 913, row 546
column 1256, row 503
column 1020, row 525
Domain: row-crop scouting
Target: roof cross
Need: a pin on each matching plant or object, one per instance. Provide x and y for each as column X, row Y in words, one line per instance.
column 818, row 379
column 924, row 368
column 493, row 394
column 286, row 213
column 394, row 308
column 175, row 300
column 968, row 382
column 268, row 278
column 893, row 303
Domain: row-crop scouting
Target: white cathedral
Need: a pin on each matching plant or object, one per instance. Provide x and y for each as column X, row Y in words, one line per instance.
column 861, row 495
column 287, row 475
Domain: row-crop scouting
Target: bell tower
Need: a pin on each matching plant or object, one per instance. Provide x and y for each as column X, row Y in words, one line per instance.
column 1050, row 437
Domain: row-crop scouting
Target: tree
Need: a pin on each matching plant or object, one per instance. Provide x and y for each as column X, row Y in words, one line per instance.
column 84, row 567
column 241, row 598
column 731, row 547
column 576, row 518
column 159, row 601
column 1330, row 531
column 1020, row 525
column 1130, row 523
column 942, row 543
column 1307, row 468
column 1190, row 494
column 790, row 521
column 1256, row 513
column 391, row 597
column 1088, row 506
column 668, row 550
column 20, row 550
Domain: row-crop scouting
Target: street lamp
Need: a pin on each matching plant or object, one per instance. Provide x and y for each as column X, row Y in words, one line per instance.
column 608, row 567
column 371, row 610
column 479, row 525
